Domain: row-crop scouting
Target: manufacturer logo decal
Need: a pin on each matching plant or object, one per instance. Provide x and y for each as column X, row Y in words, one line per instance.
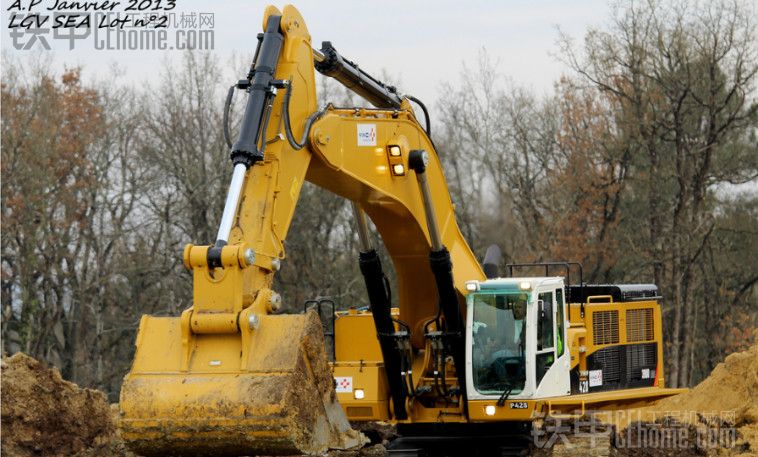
column 343, row 384
column 366, row 134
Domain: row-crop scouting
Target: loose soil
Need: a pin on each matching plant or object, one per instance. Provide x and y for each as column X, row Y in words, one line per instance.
column 718, row 417
column 720, row 414
column 43, row 415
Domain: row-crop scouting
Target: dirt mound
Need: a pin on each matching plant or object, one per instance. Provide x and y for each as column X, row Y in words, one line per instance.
column 43, row 415
column 726, row 400
column 719, row 416
column 731, row 386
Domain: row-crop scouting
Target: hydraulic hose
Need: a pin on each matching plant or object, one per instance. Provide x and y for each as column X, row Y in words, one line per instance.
column 227, row 106
column 426, row 114
column 296, row 145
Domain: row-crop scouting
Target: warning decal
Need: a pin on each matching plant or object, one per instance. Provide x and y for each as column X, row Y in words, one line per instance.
column 343, row 384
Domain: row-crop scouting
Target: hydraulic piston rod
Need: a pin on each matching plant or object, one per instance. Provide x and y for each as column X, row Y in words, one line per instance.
column 363, row 236
column 417, row 161
column 330, row 63
column 232, row 201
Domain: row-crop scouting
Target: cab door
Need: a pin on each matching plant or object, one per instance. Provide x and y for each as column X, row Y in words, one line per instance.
column 545, row 354
column 551, row 358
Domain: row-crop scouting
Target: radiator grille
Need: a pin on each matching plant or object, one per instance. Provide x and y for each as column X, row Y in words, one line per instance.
column 640, row 356
column 605, row 327
column 639, row 325
column 623, row 366
column 608, row 360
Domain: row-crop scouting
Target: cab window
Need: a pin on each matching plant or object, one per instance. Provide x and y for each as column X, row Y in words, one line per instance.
column 545, row 351
column 545, row 322
column 560, row 344
column 499, row 342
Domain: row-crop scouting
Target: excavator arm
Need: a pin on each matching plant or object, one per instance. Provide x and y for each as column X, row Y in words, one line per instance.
column 232, row 377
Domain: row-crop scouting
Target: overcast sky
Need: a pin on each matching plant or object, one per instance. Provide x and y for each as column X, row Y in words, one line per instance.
column 421, row 43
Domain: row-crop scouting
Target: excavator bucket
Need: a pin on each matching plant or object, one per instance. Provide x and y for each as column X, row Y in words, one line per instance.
column 266, row 390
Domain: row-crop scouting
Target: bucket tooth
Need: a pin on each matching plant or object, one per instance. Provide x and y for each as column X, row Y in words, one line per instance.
column 282, row 403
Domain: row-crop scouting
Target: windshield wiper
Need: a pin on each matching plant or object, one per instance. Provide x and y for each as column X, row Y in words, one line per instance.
column 508, row 389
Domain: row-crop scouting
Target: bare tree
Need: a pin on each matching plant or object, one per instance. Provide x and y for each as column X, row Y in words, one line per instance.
column 681, row 78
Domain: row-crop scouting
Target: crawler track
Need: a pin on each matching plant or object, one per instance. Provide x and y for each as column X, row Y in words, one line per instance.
column 470, row 440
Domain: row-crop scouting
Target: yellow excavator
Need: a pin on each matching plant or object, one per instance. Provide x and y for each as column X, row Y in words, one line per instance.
column 464, row 355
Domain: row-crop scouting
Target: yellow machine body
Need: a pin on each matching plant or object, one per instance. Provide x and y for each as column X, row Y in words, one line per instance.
column 600, row 323
column 231, row 377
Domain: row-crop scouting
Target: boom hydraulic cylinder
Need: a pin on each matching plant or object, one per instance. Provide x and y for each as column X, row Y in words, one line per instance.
column 378, row 290
column 442, row 269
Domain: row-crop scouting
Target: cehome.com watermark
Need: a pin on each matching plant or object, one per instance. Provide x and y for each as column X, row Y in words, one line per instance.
column 668, row 430
column 161, row 40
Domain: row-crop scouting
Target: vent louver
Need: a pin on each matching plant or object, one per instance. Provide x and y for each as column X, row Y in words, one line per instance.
column 639, row 325
column 605, row 327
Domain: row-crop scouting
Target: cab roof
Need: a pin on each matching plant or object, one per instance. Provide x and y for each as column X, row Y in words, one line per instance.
column 509, row 283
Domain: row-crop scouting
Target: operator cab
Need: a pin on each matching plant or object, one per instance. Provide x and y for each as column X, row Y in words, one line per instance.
column 516, row 339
